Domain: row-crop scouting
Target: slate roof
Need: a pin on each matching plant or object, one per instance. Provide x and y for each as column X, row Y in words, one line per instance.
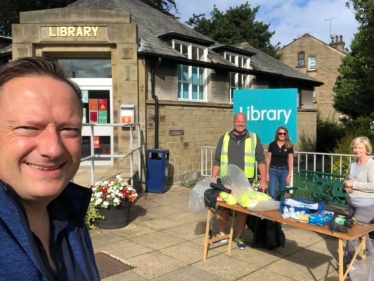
column 151, row 22
column 265, row 63
column 6, row 38
column 154, row 25
column 6, row 49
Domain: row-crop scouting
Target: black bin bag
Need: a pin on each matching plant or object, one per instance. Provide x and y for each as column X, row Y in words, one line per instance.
column 266, row 233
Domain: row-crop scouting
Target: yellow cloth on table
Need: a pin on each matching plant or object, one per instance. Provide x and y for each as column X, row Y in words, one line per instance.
column 228, row 198
column 251, row 198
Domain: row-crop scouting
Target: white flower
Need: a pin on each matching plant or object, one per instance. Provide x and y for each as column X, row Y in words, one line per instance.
column 98, row 201
column 110, row 192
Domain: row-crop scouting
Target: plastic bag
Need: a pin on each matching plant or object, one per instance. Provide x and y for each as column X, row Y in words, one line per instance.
column 265, row 206
column 362, row 270
column 244, row 194
column 196, row 204
column 237, row 181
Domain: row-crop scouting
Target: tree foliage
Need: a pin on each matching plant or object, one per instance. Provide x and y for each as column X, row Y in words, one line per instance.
column 354, row 87
column 10, row 9
column 236, row 25
column 165, row 6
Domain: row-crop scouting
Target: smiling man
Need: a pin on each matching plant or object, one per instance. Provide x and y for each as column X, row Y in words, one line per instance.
column 241, row 148
column 42, row 231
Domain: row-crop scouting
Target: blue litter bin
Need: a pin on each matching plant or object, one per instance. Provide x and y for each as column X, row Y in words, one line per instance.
column 157, row 170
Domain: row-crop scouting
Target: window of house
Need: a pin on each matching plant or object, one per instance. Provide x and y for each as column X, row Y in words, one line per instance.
column 237, row 80
column 301, row 59
column 191, row 79
column 190, row 82
column 312, row 63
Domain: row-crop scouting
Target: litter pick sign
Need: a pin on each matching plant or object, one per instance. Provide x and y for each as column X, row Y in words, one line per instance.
column 267, row 109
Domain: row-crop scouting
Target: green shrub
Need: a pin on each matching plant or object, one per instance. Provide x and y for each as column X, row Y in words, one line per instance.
column 91, row 215
column 353, row 129
column 329, row 131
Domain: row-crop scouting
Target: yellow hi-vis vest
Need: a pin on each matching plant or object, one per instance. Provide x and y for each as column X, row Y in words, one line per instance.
column 249, row 155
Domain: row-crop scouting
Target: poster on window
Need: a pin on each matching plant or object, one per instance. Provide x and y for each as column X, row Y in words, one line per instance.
column 93, row 110
column 93, row 103
column 103, row 104
column 96, row 142
column 103, row 117
column 84, row 96
column 93, row 116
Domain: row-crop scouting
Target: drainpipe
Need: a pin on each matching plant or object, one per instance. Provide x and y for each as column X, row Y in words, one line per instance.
column 156, row 100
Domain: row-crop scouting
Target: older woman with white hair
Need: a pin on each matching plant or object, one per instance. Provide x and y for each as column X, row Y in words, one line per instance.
column 359, row 185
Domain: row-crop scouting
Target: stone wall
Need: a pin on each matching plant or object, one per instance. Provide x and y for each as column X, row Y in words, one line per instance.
column 186, row 127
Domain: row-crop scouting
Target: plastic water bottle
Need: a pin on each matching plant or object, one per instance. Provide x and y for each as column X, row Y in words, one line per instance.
column 340, row 221
column 285, row 210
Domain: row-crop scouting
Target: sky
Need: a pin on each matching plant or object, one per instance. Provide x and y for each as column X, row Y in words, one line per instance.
column 289, row 19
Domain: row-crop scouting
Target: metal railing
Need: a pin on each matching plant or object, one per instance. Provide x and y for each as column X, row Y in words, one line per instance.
column 130, row 153
column 324, row 162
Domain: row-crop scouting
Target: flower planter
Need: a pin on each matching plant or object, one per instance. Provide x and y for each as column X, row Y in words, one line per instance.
column 115, row 217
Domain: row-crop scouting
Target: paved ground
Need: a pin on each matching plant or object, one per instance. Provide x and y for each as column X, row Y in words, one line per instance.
column 165, row 242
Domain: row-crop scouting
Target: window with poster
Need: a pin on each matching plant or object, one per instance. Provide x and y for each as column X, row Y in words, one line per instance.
column 93, row 74
column 96, row 109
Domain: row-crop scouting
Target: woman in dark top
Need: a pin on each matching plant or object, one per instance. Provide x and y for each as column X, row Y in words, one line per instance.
column 279, row 161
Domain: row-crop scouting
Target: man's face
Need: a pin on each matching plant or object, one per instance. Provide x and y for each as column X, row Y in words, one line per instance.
column 40, row 136
column 239, row 123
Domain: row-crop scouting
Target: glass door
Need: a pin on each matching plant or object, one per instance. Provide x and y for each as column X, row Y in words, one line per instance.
column 97, row 109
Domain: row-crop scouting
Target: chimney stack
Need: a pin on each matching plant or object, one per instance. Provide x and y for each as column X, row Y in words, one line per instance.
column 337, row 42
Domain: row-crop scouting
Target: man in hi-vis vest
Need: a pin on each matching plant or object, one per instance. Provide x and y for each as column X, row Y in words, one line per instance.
column 241, row 148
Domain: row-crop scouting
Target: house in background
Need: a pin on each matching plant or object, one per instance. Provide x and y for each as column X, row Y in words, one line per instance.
column 179, row 81
column 320, row 61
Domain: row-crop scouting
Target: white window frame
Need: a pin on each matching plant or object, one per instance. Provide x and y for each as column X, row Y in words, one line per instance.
column 245, row 83
column 238, row 77
column 190, row 83
column 189, row 55
column 312, row 63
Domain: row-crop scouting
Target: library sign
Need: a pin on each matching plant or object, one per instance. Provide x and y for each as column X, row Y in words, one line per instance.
column 73, row 31
column 267, row 109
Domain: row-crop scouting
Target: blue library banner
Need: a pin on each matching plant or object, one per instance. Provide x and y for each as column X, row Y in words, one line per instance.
column 267, row 109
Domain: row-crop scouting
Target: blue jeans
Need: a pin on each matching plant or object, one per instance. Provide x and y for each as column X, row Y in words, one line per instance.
column 276, row 176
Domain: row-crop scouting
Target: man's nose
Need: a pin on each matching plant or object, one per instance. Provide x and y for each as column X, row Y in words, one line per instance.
column 50, row 143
